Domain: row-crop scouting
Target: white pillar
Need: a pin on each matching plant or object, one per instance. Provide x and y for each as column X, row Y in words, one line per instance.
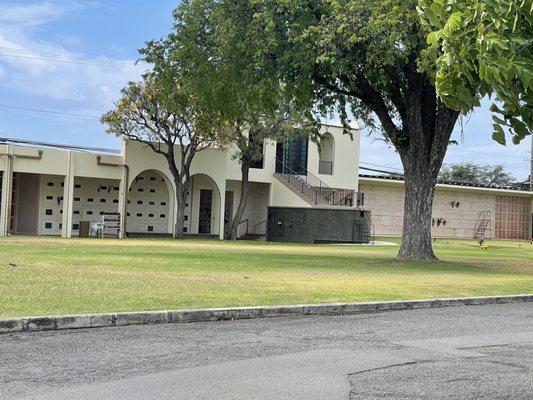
column 222, row 190
column 123, row 200
column 270, row 194
column 7, row 188
column 68, row 197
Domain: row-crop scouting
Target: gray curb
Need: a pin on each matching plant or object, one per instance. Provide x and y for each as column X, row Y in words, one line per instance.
column 60, row 322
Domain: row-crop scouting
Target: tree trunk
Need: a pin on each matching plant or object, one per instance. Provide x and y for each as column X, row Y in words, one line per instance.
column 245, row 188
column 422, row 160
column 181, row 204
column 416, row 241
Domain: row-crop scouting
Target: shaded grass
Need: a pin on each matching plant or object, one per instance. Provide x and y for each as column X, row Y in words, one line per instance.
column 57, row 276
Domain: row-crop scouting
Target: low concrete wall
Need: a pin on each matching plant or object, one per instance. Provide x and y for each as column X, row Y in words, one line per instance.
column 30, row 324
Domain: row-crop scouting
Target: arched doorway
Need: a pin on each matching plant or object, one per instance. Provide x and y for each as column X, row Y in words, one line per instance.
column 327, row 154
column 202, row 215
column 149, row 209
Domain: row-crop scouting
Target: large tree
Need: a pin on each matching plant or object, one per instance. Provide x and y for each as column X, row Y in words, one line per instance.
column 468, row 172
column 162, row 118
column 213, row 48
column 363, row 56
column 481, row 48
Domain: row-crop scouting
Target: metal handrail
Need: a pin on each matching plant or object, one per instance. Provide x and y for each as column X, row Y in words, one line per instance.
column 342, row 199
column 312, row 189
column 242, row 222
column 483, row 215
column 259, row 223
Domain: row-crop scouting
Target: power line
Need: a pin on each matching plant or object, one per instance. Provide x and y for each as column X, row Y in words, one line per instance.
column 381, row 165
column 47, row 112
column 43, row 56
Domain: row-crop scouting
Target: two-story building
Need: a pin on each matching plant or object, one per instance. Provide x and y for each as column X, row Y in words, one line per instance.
column 48, row 189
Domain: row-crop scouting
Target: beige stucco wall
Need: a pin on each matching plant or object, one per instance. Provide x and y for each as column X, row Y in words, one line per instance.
column 90, row 197
column 385, row 200
column 213, row 168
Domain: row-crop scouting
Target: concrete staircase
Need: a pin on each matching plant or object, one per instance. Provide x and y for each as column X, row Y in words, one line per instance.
column 314, row 191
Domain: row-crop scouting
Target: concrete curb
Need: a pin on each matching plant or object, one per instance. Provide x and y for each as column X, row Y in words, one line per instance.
column 60, row 322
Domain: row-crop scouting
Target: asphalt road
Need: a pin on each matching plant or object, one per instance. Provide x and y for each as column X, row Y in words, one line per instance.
column 474, row 352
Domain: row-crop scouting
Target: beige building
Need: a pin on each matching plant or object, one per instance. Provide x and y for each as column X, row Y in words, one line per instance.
column 458, row 211
column 50, row 189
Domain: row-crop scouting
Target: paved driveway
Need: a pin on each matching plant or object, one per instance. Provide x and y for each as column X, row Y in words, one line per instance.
column 460, row 352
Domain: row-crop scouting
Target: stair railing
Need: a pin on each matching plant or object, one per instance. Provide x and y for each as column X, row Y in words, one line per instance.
column 481, row 224
column 258, row 224
column 310, row 185
column 244, row 221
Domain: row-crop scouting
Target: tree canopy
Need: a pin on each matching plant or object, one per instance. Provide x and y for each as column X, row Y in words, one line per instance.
column 363, row 58
column 479, row 48
column 478, row 174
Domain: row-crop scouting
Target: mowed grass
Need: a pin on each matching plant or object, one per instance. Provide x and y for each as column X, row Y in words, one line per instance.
column 44, row 276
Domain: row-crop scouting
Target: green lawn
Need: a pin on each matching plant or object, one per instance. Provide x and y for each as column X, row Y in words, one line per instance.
column 58, row 276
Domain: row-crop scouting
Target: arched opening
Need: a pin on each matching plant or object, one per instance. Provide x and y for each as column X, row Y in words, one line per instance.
column 327, row 155
column 202, row 214
column 149, row 209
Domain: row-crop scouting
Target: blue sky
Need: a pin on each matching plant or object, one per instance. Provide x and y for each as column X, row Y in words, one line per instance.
column 35, row 34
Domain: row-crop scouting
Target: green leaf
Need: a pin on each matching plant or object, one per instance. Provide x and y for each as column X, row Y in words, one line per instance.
column 498, row 134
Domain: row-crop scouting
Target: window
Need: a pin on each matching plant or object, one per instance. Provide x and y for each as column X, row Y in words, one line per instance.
column 139, row 202
column 62, row 184
column 327, row 155
column 89, row 212
column 150, row 228
column 152, row 190
column 75, row 227
column 77, row 199
column 139, row 215
column 152, row 203
column 90, row 200
column 48, row 211
column 152, row 178
column 76, row 212
column 128, row 214
column 102, row 212
column 163, row 203
column 103, row 187
column 151, row 215
column 292, row 155
column 48, row 225
column 50, row 184
column 49, row 197
column 60, row 211
column 115, row 201
column 115, row 188
column 185, row 229
column 103, row 200
column 162, row 216
column 140, row 190
column 78, row 186
column 60, row 225
column 185, row 217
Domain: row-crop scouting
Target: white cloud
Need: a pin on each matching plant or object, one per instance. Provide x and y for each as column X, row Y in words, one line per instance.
column 33, row 14
column 29, row 68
